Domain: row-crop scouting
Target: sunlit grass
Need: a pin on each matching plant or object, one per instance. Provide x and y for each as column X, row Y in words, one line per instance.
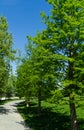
column 53, row 116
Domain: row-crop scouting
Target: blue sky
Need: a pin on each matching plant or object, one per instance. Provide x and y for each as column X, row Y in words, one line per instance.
column 23, row 18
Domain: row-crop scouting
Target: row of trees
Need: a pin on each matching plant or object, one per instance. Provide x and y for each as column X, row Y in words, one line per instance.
column 54, row 57
column 6, row 55
column 54, row 62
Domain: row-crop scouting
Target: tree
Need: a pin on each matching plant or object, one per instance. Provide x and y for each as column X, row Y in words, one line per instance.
column 65, row 35
column 23, row 81
column 36, row 74
column 43, row 69
column 6, row 53
column 10, row 86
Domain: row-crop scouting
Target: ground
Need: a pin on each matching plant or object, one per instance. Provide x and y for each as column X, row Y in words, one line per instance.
column 10, row 119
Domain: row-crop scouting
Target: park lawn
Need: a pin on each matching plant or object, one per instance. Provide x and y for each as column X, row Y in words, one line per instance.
column 53, row 116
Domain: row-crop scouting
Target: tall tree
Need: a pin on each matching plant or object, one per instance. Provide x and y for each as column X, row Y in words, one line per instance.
column 36, row 73
column 43, row 69
column 65, row 31
column 6, row 52
column 64, row 37
column 23, row 81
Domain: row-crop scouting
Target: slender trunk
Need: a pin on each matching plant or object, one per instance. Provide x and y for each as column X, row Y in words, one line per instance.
column 27, row 101
column 74, row 125
column 39, row 101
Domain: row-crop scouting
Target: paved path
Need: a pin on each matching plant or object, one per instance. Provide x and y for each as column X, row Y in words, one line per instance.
column 10, row 119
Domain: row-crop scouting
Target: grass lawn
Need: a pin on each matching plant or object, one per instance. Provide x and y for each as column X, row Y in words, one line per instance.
column 53, row 116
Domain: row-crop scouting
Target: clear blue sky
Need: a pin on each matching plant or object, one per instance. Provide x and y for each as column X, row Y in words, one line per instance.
column 23, row 18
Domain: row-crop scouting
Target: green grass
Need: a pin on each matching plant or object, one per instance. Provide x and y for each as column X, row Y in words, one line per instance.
column 53, row 116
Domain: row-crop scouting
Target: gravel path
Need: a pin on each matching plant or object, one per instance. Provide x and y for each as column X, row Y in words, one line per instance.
column 10, row 119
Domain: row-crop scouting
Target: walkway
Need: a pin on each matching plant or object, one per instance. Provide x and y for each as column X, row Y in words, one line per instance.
column 10, row 119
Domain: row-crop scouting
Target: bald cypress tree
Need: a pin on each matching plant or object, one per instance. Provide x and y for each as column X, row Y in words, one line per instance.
column 64, row 37
column 6, row 53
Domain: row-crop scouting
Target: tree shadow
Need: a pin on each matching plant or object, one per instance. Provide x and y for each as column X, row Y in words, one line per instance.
column 3, row 110
column 81, row 124
column 25, row 126
column 48, row 120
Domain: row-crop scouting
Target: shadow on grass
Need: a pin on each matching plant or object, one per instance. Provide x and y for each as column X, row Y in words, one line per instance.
column 48, row 120
column 81, row 124
column 2, row 102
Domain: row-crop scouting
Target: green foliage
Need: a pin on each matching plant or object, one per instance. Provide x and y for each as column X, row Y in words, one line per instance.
column 57, row 96
column 56, row 56
column 23, row 82
column 6, row 53
column 10, row 86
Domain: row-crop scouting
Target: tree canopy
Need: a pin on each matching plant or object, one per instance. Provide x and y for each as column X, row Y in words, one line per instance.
column 56, row 57
column 6, row 53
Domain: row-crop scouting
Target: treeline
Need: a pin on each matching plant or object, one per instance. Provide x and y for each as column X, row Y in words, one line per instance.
column 54, row 63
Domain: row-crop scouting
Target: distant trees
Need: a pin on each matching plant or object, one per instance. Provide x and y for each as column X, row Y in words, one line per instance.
column 6, row 54
column 10, row 89
column 55, row 59
column 23, row 83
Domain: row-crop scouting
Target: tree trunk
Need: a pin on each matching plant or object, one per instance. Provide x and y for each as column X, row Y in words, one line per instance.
column 74, row 125
column 27, row 103
column 39, row 100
